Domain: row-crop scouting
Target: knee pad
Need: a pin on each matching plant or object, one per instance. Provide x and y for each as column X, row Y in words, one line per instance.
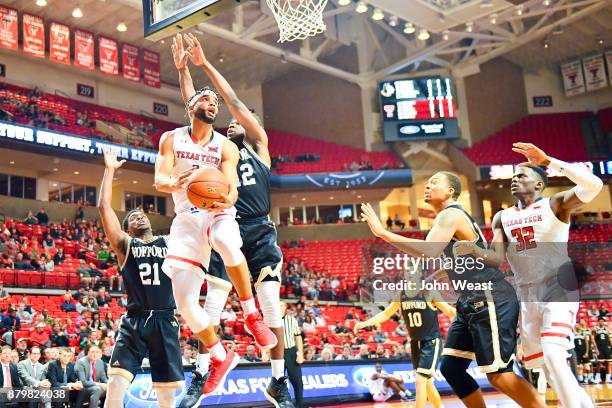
column 225, row 239
column 268, row 294
column 454, row 369
column 165, row 397
column 216, row 296
column 117, row 387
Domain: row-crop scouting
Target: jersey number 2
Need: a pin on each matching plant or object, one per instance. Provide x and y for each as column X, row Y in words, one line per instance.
column 246, row 175
column 524, row 237
column 145, row 273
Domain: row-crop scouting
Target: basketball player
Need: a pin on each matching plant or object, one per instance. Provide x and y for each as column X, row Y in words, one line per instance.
column 419, row 311
column 487, row 317
column 384, row 386
column 541, row 267
column 149, row 328
column 263, row 255
column 604, row 348
column 195, row 232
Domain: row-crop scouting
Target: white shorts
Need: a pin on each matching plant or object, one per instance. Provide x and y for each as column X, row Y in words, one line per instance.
column 546, row 322
column 189, row 240
column 382, row 395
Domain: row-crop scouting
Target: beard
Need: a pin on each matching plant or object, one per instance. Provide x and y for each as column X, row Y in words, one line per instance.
column 202, row 115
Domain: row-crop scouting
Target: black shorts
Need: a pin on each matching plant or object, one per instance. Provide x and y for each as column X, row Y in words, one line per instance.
column 425, row 356
column 154, row 335
column 485, row 329
column 605, row 353
column 582, row 359
column 259, row 248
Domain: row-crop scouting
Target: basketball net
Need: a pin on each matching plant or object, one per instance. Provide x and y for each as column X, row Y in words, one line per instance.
column 298, row 19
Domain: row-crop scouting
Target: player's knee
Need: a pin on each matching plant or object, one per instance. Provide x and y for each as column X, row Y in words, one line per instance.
column 165, row 397
column 225, row 239
column 268, row 293
column 117, row 387
column 216, row 296
column 555, row 356
column 454, row 369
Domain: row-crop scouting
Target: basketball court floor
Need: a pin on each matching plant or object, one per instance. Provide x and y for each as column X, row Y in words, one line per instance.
column 601, row 394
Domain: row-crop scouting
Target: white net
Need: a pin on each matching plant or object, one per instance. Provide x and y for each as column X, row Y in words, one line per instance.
column 298, row 19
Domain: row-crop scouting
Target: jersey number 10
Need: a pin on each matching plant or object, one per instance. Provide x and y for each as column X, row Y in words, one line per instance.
column 145, row 273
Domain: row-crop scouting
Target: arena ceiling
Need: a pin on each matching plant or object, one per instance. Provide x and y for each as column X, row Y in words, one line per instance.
column 242, row 42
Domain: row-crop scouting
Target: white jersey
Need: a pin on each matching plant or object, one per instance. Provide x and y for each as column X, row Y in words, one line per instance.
column 538, row 242
column 188, row 154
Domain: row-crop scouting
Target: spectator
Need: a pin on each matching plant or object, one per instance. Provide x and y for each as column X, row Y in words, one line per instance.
column 40, row 336
column 59, row 256
column 379, row 336
column 187, row 355
column 364, row 352
column 30, row 219
column 592, row 311
column 80, row 214
column 10, row 324
column 8, row 368
column 3, row 292
column 84, row 273
column 59, row 338
column 309, row 325
column 90, row 372
column 380, row 352
column 228, row 314
column 48, row 242
column 227, row 334
column 82, row 306
column 29, row 308
column 251, row 355
column 23, row 315
column 23, row 264
column 92, row 304
column 79, row 294
column 340, row 328
column 14, row 357
column 46, row 264
column 389, row 223
column 326, row 355
column 106, row 356
column 61, row 374
column 108, row 321
column 398, row 222
column 42, row 217
column 103, row 298
column 31, row 372
column 346, row 353
column 68, row 305
column 123, row 301
column 602, row 312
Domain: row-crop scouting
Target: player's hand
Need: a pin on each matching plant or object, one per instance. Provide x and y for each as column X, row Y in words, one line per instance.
column 300, row 359
column 358, row 326
column 225, row 204
column 534, row 155
column 184, row 178
column 463, row 248
column 110, row 159
column 194, row 47
column 369, row 215
column 179, row 54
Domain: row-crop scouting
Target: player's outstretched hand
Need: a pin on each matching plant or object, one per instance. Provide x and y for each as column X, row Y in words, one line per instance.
column 534, row 155
column 179, row 54
column 462, row 248
column 194, row 47
column 369, row 215
column 222, row 205
column 358, row 326
column 110, row 159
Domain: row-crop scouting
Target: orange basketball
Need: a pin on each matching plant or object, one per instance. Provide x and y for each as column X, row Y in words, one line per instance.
column 206, row 186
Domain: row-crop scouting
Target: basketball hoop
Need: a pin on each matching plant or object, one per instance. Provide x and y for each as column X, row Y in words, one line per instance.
column 298, row 19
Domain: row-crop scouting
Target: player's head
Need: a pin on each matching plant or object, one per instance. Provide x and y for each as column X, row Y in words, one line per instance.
column 236, row 131
column 204, row 105
column 136, row 223
column 601, row 322
column 378, row 367
column 441, row 187
column 528, row 180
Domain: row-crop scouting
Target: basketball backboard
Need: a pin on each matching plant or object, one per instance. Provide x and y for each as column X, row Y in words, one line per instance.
column 163, row 18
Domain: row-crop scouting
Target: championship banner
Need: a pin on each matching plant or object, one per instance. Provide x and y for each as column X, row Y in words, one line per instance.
column 109, row 56
column 151, row 68
column 59, row 43
column 130, row 58
column 84, row 49
column 594, row 72
column 573, row 80
column 609, row 63
column 34, row 36
column 9, row 28
column 335, row 181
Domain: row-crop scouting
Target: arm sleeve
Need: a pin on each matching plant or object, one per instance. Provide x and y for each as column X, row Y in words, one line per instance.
column 587, row 186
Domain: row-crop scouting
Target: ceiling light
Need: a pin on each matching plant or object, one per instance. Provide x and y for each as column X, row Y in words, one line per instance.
column 361, row 7
column 546, row 44
column 358, row 196
column 486, row 3
column 546, row 3
column 409, row 28
column 41, row 3
column 134, row 181
column 128, row 195
column 493, row 19
column 445, row 35
column 221, row 58
column 76, row 172
column 331, row 198
column 54, row 184
column 393, row 21
column 77, row 13
column 344, row 2
column 519, row 10
column 55, row 169
column 423, row 35
column 121, row 27
column 303, row 198
column 600, row 41
column 12, row 162
column 378, row 15
column 469, row 26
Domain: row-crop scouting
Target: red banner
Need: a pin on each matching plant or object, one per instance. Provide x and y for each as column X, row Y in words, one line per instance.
column 151, row 68
column 109, row 55
column 130, row 57
column 59, row 43
column 83, row 49
column 34, row 35
column 9, row 28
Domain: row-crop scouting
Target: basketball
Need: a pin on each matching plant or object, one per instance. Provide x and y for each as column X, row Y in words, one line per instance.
column 206, row 187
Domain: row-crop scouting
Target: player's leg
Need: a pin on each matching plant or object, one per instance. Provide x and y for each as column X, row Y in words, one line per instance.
column 555, row 337
column 225, row 239
column 433, row 396
column 421, row 391
column 425, row 364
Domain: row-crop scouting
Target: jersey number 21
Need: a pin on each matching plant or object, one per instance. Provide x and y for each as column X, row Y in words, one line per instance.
column 145, row 273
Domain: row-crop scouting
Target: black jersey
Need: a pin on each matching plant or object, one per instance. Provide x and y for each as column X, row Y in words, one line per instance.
column 579, row 343
column 420, row 316
column 253, row 184
column 147, row 286
column 473, row 270
column 602, row 337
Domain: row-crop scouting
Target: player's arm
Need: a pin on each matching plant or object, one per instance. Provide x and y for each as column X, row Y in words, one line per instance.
column 492, row 256
column 379, row 318
column 587, row 186
column 180, row 56
column 229, row 162
column 117, row 238
column 255, row 134
column 445, row 308
column 164, row 164
column 442, row 232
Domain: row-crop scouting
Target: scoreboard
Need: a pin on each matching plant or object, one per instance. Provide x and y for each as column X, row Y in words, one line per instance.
column 418, row 109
